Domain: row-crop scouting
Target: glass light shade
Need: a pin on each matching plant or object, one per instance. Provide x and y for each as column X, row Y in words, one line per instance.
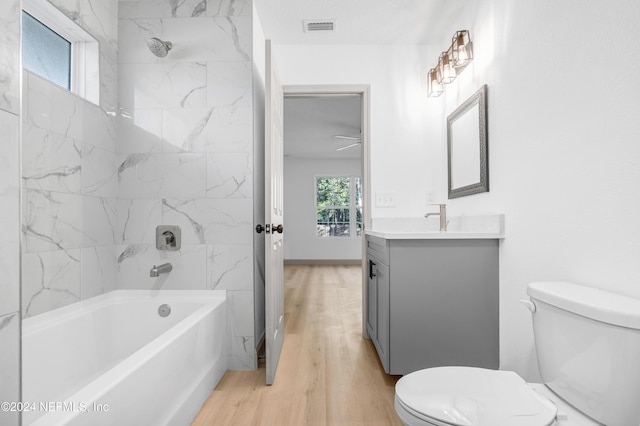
column 462, row 50
column 447, row 71
column 434, row 87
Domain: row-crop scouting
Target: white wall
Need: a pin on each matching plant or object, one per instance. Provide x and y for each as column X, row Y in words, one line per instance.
column 564, row 84
column 399, row 140
column 301, row 242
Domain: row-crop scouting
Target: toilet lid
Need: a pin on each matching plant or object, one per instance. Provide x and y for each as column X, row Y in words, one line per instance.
column 468, row 396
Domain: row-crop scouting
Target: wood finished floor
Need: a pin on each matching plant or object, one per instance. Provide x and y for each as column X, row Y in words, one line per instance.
column 328, row 374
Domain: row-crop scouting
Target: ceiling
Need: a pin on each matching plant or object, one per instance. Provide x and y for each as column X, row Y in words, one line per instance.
column 359, row 21
column 312, row 122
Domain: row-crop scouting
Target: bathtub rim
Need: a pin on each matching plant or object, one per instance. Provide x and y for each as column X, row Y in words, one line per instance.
column 37, row 323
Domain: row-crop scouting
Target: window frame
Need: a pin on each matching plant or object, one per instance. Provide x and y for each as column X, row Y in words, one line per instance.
column 352, row 207
column 85, row 50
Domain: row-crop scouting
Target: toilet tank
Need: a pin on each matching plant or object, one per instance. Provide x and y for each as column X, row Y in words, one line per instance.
column 588, row 346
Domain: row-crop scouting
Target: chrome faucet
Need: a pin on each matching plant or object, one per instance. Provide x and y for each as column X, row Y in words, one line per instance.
column 443, row 216
column 165, row 268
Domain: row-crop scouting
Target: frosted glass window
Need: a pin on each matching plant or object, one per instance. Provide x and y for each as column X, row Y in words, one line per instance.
column 45, row 52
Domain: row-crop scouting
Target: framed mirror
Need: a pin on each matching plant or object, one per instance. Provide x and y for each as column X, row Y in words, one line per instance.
column 467, row 147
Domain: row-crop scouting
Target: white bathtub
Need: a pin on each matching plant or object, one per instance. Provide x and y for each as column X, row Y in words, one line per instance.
column 113, row 360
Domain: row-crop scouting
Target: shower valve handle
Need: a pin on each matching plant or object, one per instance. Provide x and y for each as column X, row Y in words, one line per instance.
column 169, row 237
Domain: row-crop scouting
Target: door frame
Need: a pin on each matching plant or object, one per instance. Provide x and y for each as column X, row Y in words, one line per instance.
column 364, row 91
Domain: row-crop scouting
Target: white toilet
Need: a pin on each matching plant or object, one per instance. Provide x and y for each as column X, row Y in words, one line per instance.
column 588, row 346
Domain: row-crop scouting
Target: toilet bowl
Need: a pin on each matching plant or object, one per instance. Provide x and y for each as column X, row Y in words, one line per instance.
column 587, row 343
column 469, row 396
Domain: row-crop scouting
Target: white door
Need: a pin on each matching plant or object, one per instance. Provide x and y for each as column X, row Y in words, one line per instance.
column 274, row 259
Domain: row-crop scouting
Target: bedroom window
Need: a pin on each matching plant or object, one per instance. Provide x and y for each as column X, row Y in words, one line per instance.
column 338, row 206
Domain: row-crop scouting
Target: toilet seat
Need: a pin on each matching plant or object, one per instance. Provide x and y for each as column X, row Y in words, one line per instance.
column 469, row 396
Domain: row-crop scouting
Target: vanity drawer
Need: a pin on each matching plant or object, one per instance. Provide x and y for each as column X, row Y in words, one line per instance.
column 378, row 248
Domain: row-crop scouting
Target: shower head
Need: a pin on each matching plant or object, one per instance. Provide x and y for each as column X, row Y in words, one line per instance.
column 158, row 47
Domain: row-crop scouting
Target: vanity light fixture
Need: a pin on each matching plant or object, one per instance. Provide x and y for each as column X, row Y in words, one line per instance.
column 434, row 86
column 445, row 64
column 462, row 50
column 450, row 63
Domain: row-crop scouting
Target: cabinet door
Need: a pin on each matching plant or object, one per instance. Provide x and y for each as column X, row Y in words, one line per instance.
column 444, row 304
column 372, row 299
column 382, row 314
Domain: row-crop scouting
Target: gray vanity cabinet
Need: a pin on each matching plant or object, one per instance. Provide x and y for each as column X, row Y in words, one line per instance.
column 433, row 302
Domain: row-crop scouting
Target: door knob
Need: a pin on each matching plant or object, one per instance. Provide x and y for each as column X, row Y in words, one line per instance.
column 277, row 229
column 259, row 229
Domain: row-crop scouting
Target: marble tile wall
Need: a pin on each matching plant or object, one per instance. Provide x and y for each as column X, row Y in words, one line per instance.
column 69, row 177
column 9, row 213
column 185, row 152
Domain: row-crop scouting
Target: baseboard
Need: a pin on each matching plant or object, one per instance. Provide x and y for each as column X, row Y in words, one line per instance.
column 323, row 261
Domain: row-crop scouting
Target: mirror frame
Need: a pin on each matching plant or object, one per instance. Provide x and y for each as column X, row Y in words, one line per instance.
column 479, row 98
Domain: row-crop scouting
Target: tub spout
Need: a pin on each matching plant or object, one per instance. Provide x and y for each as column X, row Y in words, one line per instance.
column 165, row 268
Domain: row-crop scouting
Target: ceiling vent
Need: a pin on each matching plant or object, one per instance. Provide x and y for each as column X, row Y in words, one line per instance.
column 319, row 25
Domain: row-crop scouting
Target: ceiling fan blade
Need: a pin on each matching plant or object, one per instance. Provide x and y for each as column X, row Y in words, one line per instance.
column 352, row 138
column 348, row 146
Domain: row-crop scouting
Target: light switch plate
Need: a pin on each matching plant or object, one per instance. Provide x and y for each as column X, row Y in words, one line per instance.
column 385, row 199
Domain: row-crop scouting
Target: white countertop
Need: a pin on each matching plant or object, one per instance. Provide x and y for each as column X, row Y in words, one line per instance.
column 434, row 235
column 460, row 227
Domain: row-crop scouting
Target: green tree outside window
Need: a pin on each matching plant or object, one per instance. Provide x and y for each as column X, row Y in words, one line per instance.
column 338, row 206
